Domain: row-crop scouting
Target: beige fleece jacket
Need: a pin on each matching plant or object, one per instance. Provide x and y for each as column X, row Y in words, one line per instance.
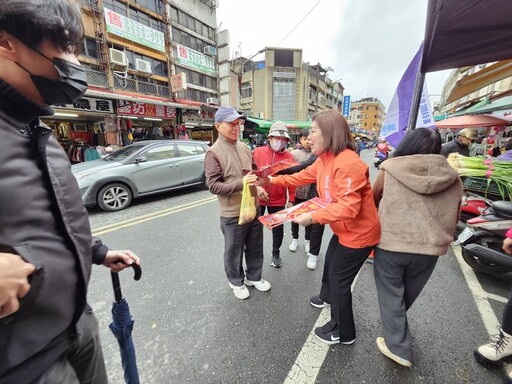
column 418, row 199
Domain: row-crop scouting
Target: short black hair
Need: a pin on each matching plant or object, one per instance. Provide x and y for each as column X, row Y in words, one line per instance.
column 420, row 141
column 33, row 21
column 304, row 132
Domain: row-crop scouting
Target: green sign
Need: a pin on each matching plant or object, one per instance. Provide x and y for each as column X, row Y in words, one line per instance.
column 196, row 60
column 132, row 30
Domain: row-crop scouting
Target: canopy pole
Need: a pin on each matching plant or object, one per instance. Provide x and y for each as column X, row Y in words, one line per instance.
column 416, row 99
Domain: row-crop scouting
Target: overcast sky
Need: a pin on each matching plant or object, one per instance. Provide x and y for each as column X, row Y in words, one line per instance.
column 367, row 43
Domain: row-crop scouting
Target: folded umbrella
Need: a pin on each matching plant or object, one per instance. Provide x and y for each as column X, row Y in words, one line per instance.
column 122, row 326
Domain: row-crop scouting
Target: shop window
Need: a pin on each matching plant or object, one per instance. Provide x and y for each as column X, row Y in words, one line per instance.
column 160, row 153
column 174, row 14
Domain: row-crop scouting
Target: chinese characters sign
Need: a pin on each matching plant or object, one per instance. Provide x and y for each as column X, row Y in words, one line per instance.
column 204, row 117
column 147, row 110
column 179, row 82
column 132, row 30
column 91, row 104
column 196, row 60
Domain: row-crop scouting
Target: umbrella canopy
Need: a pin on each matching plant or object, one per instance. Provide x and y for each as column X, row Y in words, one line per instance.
column 469, row 121
column 122, row 326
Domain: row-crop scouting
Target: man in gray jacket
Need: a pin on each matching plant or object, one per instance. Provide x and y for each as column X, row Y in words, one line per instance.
column 225, row 164
column 48, row 334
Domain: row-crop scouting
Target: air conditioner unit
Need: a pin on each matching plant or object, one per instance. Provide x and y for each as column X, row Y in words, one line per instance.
column 212, row 100
column 210, row 51
column 118, row 58
column 143, row 66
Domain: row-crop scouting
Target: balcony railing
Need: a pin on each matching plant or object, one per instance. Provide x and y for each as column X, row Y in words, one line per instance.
column 96, row 78
column 138, row 86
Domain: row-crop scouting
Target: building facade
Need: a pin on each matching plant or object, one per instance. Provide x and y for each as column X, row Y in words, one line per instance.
column 283, row 87
column 152, row 71
column 367, row 116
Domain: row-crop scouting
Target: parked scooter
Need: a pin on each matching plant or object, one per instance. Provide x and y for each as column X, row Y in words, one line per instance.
column 472, row 206
column 482, row 240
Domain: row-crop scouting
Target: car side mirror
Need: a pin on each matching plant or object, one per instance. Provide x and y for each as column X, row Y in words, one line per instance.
column 141, row 159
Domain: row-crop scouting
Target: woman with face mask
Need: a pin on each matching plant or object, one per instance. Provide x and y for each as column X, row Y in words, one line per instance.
column 278, row 197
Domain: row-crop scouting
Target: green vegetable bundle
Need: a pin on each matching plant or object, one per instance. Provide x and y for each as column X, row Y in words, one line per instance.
column 492, row 171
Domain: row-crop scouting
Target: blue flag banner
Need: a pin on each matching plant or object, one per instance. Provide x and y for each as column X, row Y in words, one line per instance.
column 346, row 105
column 397, row 117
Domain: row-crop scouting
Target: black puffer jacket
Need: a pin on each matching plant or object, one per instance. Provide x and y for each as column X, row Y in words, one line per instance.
column 42, row 220
column 297, row 168
column 454, row 146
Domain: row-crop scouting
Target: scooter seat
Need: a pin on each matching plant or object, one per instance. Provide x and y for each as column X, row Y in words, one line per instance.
column 502, row 208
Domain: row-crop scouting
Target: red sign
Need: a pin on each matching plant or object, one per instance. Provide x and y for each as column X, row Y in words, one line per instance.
column 147, row 110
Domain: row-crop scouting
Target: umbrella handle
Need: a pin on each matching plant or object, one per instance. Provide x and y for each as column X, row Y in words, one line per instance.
column 117, row 285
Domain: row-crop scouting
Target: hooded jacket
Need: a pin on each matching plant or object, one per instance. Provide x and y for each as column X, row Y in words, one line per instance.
column 42, row 219
column 418, row 204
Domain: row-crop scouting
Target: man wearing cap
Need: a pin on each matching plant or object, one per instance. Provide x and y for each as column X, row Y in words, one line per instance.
column 461, row 143
column 225, row 163
column 278, row 197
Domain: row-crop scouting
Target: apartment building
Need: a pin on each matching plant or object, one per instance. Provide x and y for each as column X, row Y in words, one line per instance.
column 152, row 71
column 283, row 87
column 366, row 116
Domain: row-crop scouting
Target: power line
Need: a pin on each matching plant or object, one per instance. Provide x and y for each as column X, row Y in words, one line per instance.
column 307, row 14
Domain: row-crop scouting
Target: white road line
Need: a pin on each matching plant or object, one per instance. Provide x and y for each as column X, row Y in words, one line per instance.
column 313, row 353
column 480, row 296
column 498, row 298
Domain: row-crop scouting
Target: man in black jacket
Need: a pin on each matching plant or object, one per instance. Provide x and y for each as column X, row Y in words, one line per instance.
column 48, row 334
column 461, row 143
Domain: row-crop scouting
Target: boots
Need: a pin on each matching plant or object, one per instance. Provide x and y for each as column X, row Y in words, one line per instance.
column 492, row 354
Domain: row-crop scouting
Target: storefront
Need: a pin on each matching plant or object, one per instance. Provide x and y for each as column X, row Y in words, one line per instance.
column 199, row 124
column 80, row 126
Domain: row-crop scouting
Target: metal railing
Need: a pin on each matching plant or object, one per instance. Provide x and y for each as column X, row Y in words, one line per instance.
column 86, row 2
column 138, row 86
column 96, row 78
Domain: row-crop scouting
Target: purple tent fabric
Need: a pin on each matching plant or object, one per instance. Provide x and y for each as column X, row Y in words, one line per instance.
column 462, row 33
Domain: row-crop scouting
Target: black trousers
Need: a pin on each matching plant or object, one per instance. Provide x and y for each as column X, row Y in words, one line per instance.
column 317, row 232
column 295, row 226
column 83, row 361
column 277, row 232
column 340, row 269
column 506, row 321
column 240, row 239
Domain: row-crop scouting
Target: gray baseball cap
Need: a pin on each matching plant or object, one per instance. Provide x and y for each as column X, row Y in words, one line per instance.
column 227, row 114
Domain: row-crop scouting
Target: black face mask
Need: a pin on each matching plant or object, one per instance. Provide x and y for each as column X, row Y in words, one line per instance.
column 70, row 86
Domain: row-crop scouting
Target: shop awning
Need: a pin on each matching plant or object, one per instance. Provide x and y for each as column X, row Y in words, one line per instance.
column 259, row 125
column 106, row 94
column 503, row 103
column 478, row 80
column 297, row 124
column 462, row 33
column 472, row 109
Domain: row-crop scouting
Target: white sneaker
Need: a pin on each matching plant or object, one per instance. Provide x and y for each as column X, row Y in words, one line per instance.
column 306, row 246
column 294, row 245
column 240, row 292
column 261, row 285
column 383, row 348
column 494, row 353
column 312, row 261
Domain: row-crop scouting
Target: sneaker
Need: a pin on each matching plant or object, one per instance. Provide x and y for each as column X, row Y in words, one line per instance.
column 383, row 348
column 492, row 354
column 317, row 302
column 332, row 337
column 306, row 246
column 276, row 262
column 312, row 261
column 294, row 245
column 261, row 285
column 240, row 292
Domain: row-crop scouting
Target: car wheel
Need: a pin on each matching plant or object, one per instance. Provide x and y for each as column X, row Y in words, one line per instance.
column 114, row 197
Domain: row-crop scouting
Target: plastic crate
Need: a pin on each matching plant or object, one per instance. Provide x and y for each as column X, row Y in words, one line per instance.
column 484, row 187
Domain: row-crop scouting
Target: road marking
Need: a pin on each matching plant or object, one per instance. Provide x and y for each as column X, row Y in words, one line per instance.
column 313, row 353
column 150, row 216
column 479, row 295
column 498, row 298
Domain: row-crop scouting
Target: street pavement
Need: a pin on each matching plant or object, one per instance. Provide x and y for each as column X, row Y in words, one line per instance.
column 190, row 328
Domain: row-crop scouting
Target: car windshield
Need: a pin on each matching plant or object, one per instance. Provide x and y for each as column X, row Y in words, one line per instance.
column 123, row 153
